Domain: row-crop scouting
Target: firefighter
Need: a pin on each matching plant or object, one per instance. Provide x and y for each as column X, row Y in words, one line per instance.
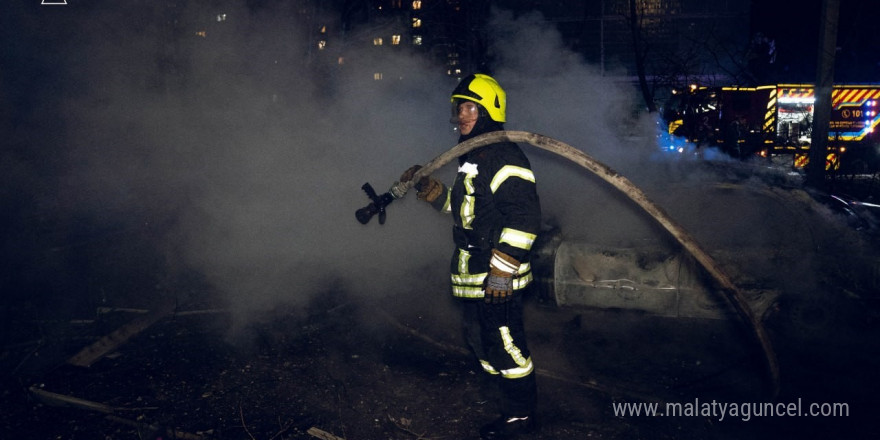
column 496, row 213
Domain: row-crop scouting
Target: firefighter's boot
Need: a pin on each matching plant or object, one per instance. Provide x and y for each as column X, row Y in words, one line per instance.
column 505, row 427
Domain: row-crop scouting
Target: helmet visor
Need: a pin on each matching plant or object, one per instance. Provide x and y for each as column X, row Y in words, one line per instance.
column 464, row 111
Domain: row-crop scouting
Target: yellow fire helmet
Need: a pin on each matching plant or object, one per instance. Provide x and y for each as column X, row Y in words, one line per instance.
column 484, row 90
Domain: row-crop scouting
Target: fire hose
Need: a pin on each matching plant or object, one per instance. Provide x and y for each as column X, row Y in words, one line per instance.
column 728, row 288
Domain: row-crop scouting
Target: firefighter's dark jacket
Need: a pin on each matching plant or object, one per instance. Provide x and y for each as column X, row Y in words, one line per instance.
column 494, row 204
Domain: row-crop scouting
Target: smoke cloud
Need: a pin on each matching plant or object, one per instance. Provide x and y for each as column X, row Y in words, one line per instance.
column 257, row 162
column 249, row 165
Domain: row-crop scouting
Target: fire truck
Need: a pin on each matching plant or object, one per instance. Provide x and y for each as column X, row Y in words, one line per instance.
column 776, row 121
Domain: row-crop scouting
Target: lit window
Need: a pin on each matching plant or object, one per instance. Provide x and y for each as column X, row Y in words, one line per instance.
column 377, row 76
column 221, row 17
column 395, row 40
column 202, row 34
column 377, row 41
column 323, row 29
column 322, row 44
column 417, row 22
column 417, row 40
column 340, row 61
column 417, row 4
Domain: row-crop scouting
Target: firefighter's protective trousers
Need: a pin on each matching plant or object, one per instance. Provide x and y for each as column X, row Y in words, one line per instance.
column 496, row 334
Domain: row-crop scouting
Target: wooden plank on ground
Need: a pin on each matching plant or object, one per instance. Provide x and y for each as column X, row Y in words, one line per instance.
column 89, row 355
column 321, row 434
column 55, row 399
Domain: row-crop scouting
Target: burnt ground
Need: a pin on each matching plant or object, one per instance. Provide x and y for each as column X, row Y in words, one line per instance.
column 399, row 370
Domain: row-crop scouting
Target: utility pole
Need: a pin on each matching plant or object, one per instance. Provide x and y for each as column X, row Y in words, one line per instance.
column 824, row 82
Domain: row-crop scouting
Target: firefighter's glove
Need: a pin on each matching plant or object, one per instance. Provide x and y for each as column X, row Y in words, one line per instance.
column 499, row 283
column 409, row 173
column 428, row 188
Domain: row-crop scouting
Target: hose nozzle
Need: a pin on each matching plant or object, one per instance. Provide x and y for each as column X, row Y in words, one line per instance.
column 377, row 206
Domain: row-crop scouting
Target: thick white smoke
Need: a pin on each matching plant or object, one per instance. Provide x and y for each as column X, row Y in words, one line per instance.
column 255, row 158
column 552, row 91
column 252, row 159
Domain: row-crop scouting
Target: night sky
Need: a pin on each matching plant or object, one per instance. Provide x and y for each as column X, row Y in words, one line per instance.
column 795, row 28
